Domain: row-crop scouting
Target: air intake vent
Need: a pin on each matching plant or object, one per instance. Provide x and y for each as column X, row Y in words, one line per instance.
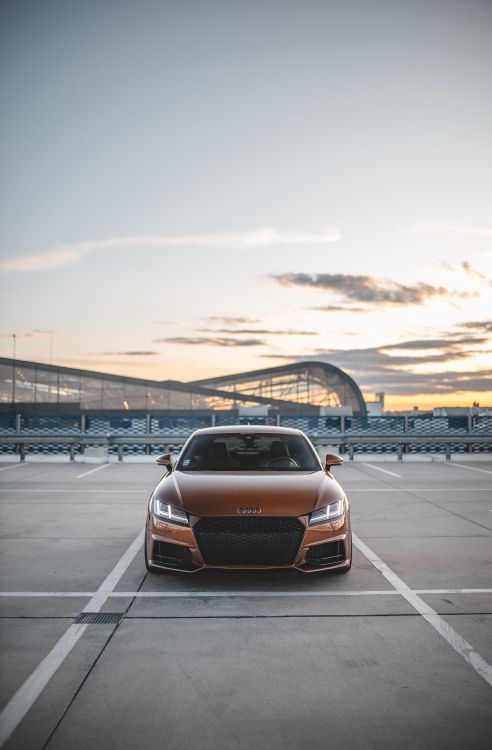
column 327, row 554
column 173, row 555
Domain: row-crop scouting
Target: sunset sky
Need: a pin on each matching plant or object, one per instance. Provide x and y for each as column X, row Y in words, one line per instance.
column 196, row 188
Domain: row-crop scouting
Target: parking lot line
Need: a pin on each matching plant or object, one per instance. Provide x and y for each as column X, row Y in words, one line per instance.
column 410, row 489
column 452, row 591
column 386, row 471
column 239, row 594
column 232, row 594
column 471, row 468
column 76, row 492
column 82, row 594
column 26, row 695
column 455, row 640
column 235, row 593
column 91, row 471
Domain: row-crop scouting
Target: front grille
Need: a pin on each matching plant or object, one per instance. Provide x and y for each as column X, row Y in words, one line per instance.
column 249, row 541
column 326, row 554
column 172, row 555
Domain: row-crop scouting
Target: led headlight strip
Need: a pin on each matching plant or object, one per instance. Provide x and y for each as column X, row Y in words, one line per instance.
column 334, row 510
column 170, row 514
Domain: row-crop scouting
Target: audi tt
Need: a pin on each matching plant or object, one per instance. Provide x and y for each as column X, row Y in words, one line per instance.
column 248, row 497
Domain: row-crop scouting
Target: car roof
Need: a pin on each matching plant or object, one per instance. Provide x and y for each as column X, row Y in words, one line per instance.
column 248, row 428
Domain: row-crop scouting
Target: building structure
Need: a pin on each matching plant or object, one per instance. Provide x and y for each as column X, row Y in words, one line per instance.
column 310, row 388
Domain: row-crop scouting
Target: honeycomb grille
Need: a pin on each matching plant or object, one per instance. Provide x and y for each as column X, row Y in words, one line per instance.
column 249, row 541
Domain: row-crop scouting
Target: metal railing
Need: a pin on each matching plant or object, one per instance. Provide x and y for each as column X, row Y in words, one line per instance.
column 130, row 434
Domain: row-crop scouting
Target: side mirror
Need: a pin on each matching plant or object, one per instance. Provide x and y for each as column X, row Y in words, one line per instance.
column 165, row 460
column 332, row 460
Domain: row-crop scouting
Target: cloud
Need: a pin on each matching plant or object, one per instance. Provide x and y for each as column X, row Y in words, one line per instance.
column 368, row 289
column 209, row 341
column 259, row 331
column 242, row 326
column 474, row 274
column 376, row 361
column 125, row 354
column 227, row 320
column 373, row 361
column 482, row 326
column 439, row 383
column 447, row 343
column 379, row 369
column 402, row 382
column 64, row 255
column 463, row 230
column 339, row 308
column 57, row 258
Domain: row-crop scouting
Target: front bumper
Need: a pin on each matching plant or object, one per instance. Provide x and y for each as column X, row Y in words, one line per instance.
column 322, row 547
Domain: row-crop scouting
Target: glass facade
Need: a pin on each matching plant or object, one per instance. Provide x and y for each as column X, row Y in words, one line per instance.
column 293, row 388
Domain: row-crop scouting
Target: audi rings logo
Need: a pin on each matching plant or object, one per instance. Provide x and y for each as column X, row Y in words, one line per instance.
column 249, row 511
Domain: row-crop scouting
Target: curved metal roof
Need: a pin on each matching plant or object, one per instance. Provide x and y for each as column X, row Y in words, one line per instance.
column 336, row 380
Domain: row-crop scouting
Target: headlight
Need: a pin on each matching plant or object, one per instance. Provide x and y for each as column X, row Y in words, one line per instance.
column 334, row 510
column 170, row 514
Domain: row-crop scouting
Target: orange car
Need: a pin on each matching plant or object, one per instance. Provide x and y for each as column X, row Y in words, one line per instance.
column 248, row 497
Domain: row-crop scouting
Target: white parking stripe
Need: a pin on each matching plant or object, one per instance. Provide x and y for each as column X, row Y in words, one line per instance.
column 452, row 591
column 455, row 640
column 239, row 594
column 386, row 471
column 14, row 466
column 471, row 468
column 77, row 492
column 408, row 489
column 24, row 698
column 236, row 593
column 91, row 471
column 199, row 593
column 61, row 594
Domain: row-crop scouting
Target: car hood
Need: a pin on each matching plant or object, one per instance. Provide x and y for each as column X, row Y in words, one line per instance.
column 222, row 493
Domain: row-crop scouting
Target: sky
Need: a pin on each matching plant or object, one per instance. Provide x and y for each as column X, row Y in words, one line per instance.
column 195, row 188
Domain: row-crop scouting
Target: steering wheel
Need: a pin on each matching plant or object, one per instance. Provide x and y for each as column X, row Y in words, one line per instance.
column 281, row 462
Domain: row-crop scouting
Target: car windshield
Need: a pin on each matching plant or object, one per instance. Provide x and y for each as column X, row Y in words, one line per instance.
column 248, row 451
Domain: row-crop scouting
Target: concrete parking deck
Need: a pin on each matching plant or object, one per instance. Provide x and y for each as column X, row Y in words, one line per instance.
column 395, row 654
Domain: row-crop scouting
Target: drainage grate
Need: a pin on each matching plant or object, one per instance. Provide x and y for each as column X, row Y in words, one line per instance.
column 98, row 618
